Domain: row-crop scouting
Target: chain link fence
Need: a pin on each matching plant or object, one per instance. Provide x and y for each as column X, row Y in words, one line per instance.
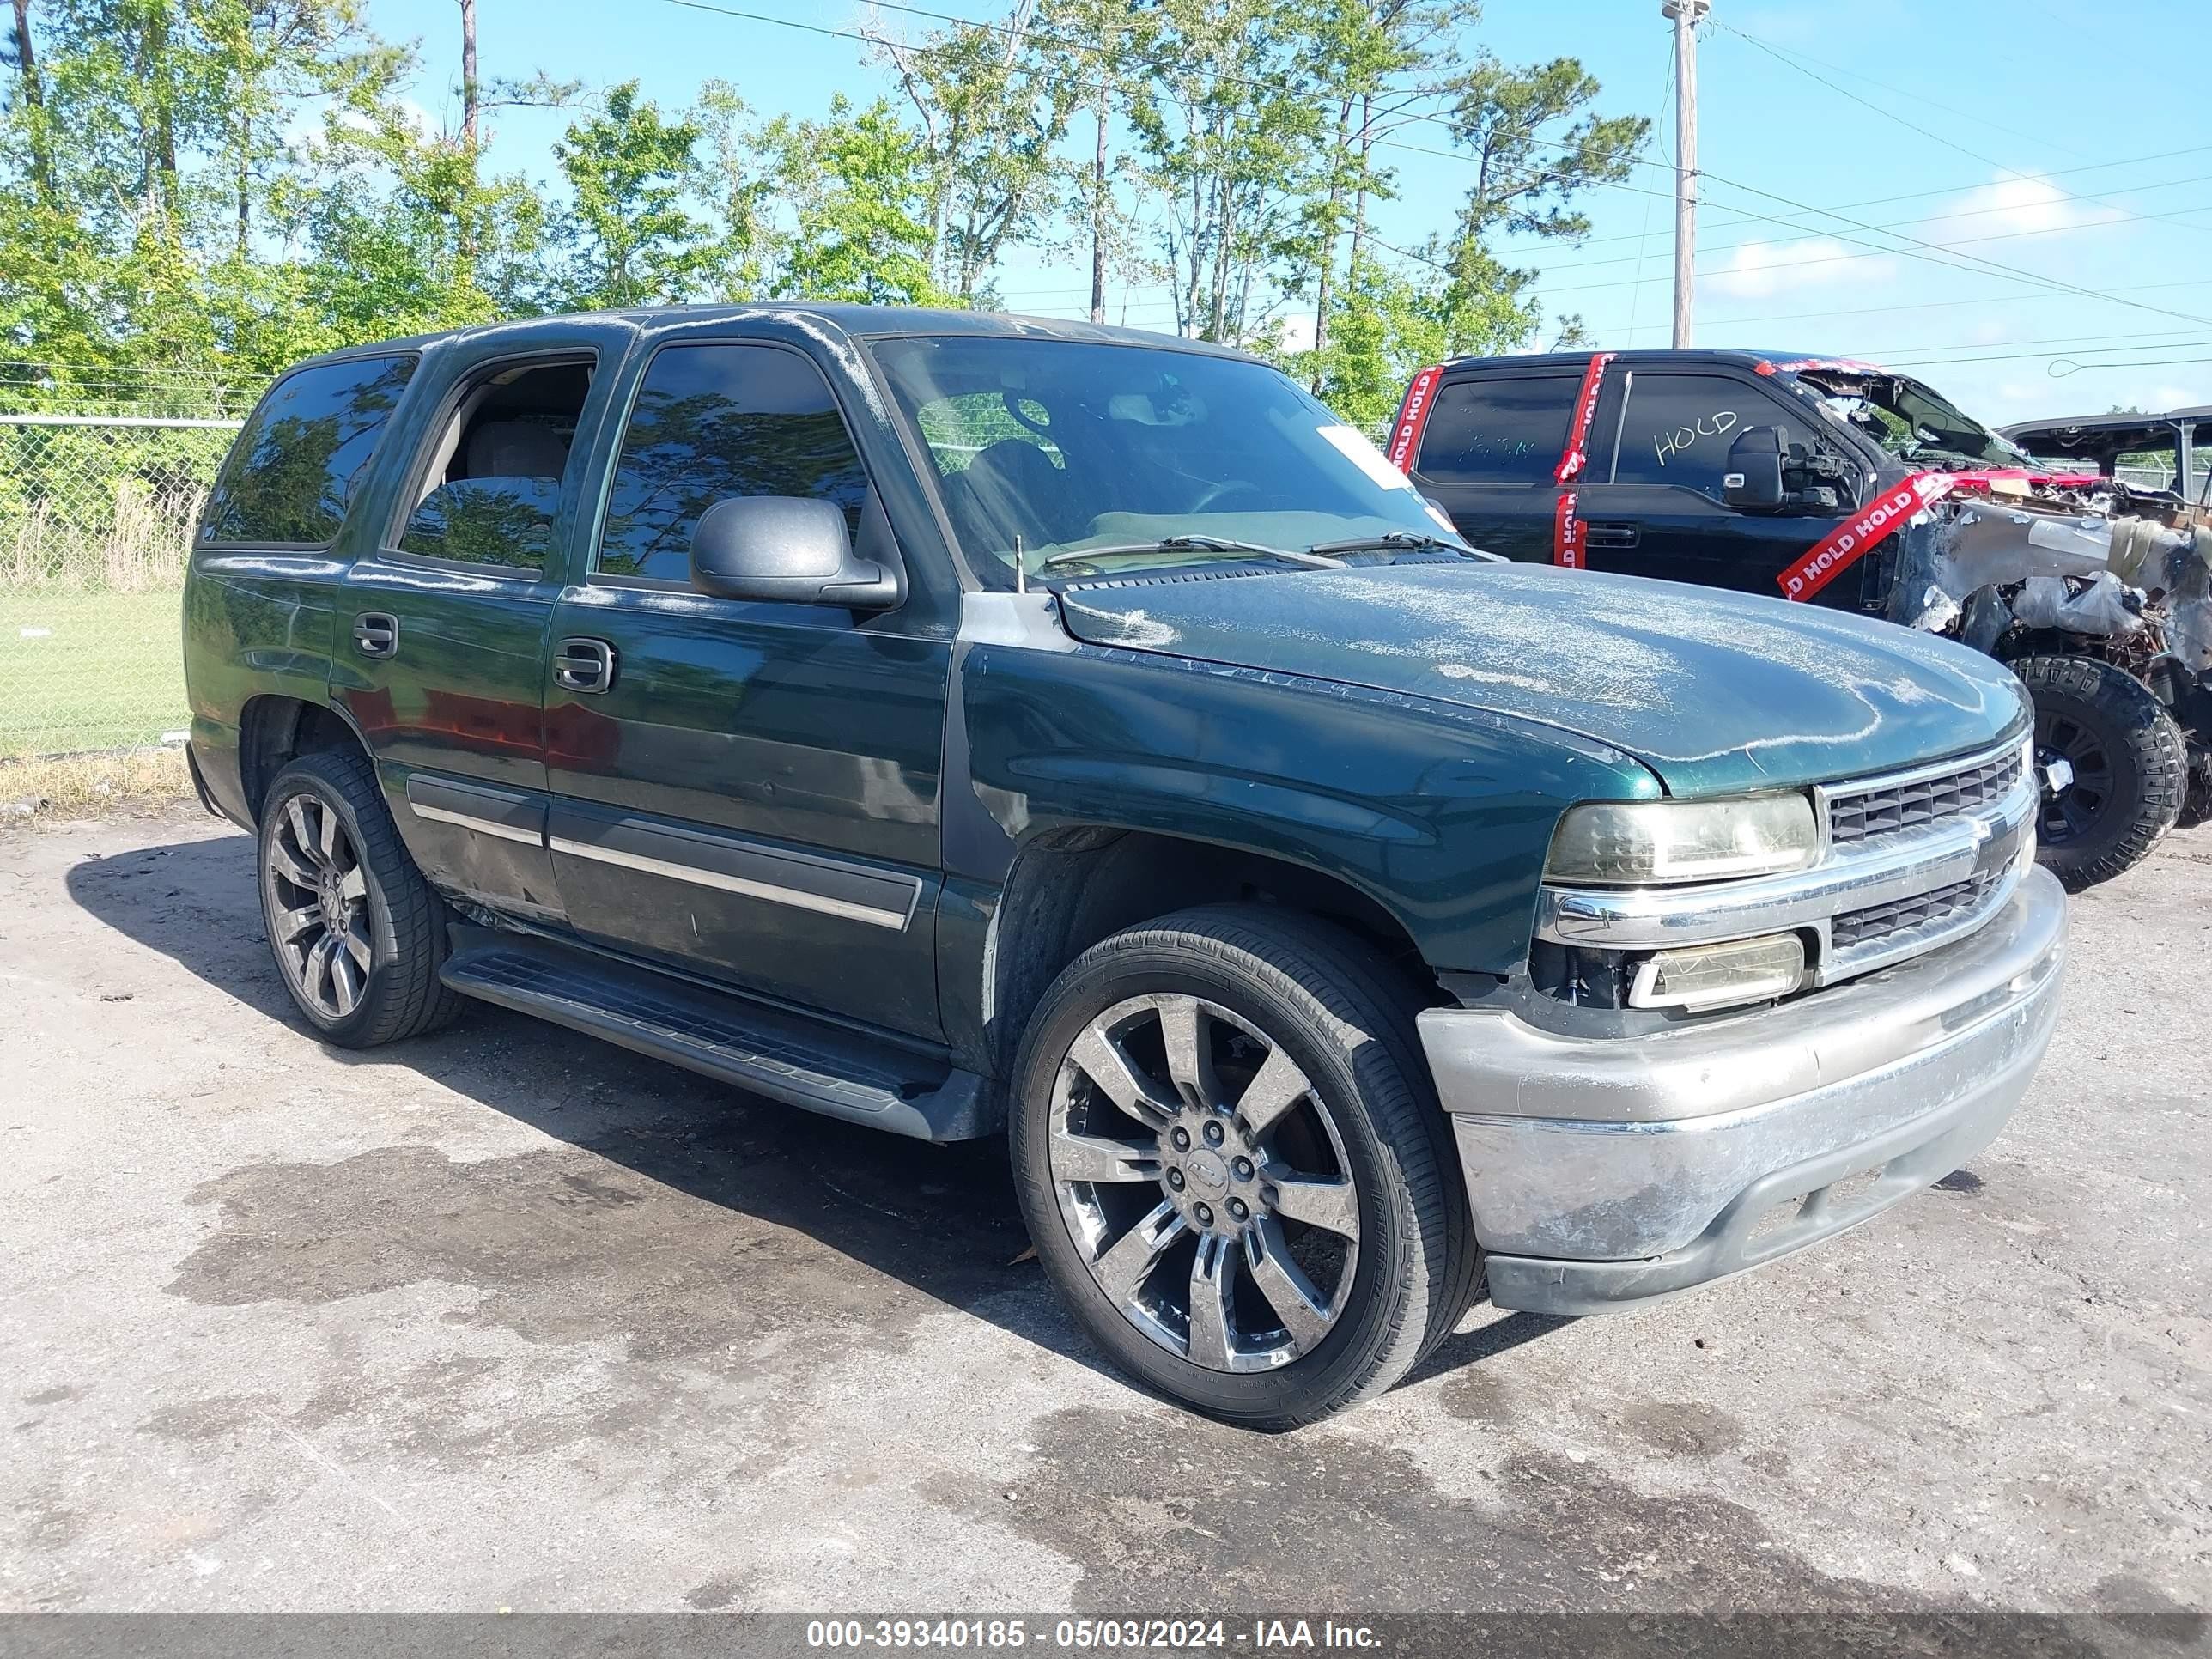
column 95, row 521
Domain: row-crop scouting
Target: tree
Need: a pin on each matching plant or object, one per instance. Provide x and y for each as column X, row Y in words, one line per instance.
column 31, row 100
column 861, row 185
column 629, row 236
column 470, row 89
column 1453, row 293
column 1387, row 64
column 1098, row 65
column 1230, row 126
column 992, row 113
column 1523, row 182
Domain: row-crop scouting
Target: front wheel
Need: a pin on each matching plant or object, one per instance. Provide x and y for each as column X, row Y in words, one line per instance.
column 1233, row 1168
column 2128, row 763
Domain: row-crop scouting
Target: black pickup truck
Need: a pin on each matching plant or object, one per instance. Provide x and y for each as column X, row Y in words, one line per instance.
column 959, row 724
column 1850, row 486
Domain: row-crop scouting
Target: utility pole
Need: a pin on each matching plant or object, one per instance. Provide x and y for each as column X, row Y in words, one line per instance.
column 1687, row 14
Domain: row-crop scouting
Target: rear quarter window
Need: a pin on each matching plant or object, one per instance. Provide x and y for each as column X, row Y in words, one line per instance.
column 1498, row 431
column 292, row 473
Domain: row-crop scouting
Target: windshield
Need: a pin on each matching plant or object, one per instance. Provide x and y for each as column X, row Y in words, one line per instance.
column 1053, row 447
column 1911, row 421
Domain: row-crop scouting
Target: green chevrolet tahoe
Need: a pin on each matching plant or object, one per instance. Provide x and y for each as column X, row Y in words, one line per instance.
column 965, row 725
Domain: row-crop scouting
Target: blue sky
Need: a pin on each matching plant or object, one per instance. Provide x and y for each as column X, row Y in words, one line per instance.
column 1982, row 134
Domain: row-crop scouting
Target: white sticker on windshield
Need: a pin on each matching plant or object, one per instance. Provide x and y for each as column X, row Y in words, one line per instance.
column 1356, row 448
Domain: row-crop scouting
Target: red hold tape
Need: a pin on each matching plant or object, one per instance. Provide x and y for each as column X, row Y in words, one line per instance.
column 1567, row 534
column 1413, row 416
column 1576, row 456
column 1846, row 545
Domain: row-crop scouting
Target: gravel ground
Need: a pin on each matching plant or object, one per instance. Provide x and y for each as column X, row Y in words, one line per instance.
column 507, row 1319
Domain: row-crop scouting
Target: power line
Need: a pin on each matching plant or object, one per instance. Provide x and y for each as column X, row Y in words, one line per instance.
column 2150, row 340
column 1782, row 56
column 1965, row 115
column 1642, row 236
column 1934, row 249
column 1915, row 196
column 2072, row 369
column 1929, row 254
column 1925, row 219
column 1947, row 305
column 1437, row 120
column 2047, row 356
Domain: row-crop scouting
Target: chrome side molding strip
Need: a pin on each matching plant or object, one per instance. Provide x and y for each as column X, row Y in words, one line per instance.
column 874, row 915
column 475, row 806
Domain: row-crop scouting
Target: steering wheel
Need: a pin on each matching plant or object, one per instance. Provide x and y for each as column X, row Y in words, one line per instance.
column 1213, row 493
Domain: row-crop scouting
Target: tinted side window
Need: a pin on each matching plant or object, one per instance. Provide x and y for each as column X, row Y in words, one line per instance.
column 1679, row 428
column 1498, row 431
column 293, row 471
column 716, row 421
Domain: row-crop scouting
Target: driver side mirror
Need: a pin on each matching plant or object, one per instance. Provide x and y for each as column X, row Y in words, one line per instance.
column 787, row 548
column 1753, row 482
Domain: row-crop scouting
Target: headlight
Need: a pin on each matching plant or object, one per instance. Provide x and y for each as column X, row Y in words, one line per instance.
column 1631, row 843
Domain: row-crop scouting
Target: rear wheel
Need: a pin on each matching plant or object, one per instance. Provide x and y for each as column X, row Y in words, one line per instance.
column 357, row 933
column 1233, row 1169
column 2128, row 763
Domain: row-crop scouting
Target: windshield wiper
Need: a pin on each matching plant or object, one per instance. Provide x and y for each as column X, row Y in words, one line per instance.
column 1313, row 557
column 1388, row 541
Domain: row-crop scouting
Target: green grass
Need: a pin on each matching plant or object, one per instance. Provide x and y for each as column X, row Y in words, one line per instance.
column 87, row 671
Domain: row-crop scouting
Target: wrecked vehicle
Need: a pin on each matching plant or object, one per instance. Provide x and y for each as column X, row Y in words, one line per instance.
column 2167, row 454
column 955, row 724
column 1844, row 485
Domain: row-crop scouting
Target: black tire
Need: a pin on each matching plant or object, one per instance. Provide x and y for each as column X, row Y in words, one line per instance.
column 1273, row 982
column 394, row 918
column 2130, row 768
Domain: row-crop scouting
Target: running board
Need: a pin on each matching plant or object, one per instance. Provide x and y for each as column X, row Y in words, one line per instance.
column 806, row 1063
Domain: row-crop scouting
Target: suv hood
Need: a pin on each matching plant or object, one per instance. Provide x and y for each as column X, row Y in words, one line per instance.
column 1715, row 691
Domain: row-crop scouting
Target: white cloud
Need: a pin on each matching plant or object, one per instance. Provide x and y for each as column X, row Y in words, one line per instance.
column 1757, row 271
column 2018, row 204
column 1294, row 332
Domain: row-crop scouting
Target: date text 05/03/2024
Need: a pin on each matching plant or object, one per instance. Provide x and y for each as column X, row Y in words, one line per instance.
column 1090, row 1635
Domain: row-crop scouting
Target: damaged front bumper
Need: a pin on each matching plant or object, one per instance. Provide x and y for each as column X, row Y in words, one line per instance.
column 1607, row 1170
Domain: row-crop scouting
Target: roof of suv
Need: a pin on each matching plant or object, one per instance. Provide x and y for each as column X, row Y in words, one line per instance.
column 1576, row 360
column 2087, row 424
column 856, row 321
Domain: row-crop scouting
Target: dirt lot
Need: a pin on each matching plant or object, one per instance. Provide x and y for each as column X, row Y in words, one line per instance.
column 509, row 1318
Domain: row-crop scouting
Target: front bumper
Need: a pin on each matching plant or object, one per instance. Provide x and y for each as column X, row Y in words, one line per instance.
column 1602, row 1172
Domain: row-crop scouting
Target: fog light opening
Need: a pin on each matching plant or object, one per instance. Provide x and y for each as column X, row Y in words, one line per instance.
column 1706, row 976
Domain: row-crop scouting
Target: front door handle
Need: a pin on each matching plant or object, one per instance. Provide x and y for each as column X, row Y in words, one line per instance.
column 582, row 665
column 1614, row 535
column 376, row 634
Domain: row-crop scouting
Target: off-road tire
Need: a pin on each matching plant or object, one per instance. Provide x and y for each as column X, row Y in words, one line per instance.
column 2146, row 757
column 401, row 995
column 1335, row 1008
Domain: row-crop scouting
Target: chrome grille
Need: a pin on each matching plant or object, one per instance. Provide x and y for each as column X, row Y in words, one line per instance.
column 1906, row 805
column 1883, row 922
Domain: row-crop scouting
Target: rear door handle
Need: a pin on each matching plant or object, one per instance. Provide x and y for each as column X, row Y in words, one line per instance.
column 584, row 664
column 1611, row 535
column 376, row 634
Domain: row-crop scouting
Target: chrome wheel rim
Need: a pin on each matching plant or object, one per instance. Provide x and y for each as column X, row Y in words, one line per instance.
column 1205, row 1181
column 318, row 906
